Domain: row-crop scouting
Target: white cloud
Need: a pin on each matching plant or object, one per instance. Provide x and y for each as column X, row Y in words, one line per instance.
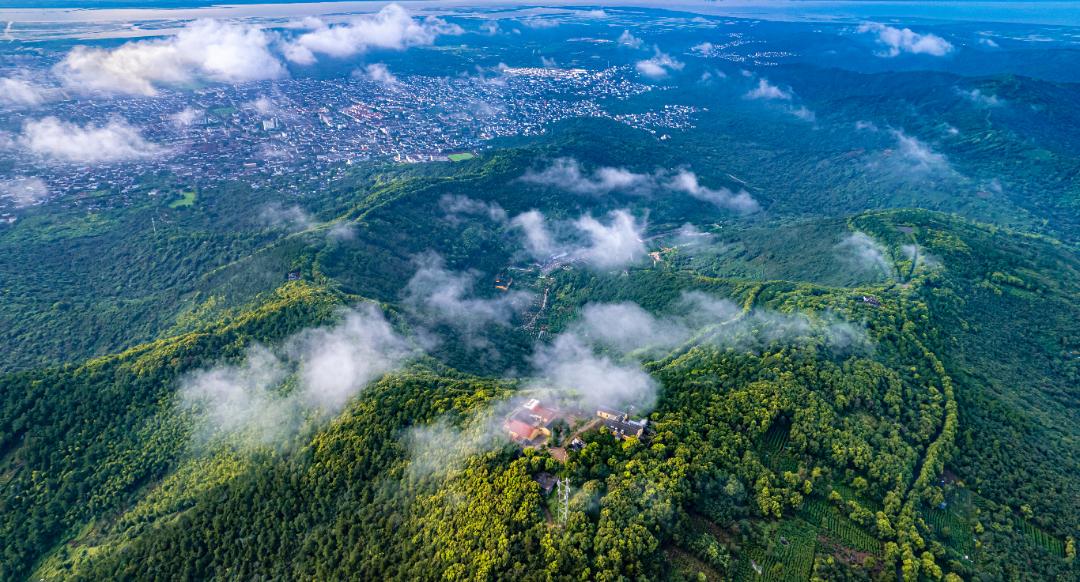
column 205, row 48
column 979, row 98
column 539, row 241
column 865, row 253
column 686, row 181
column 379, row 73
column 613, row 244
column 566, row 173
column 453, row 205
column 18, row 92
column 627, row 39
column 490, row 27
column 264, row 106
column 273, row 215
column 548, row 63
column 803, row 113
column 659, row 66
column 390, row 28
column 917, row 154
column 335, row 363
column 24, row 191
column 592, row 13
column 703, row 47
column 766, row 91
column 540, row 23
column 988, row 42
column 187, row 116
column 867, row 125
column 115, row 141
column 442, row 296
column 601, row 245
column 568, row 366
column 905, row 41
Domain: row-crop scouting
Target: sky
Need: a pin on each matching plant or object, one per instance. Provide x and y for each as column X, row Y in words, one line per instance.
column 1035, row 12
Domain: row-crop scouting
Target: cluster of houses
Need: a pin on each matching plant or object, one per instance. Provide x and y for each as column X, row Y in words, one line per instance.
column 533, row 421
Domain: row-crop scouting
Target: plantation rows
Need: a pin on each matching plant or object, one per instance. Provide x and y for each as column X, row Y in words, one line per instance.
column 797, row 569
column 951, row 529
column 849, row 494
column 797, row 557
column 1041, row 538
column 852, row 535
column 776, row 438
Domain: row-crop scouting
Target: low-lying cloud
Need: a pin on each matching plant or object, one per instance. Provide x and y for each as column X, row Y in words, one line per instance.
column 659, row 66
column 628, row 40
column 979, row 98
column 440, row 296
column 390, row 28
column 205, row 48
column 905, row 41
column 766, row 91
column 686, row 181
column 917, row 155
column 24, row 191
column 379, row 73
column 115, row 141
column 18, row 92
column 332, row 365
column 567, row 174
column 273, row 214
column 864, row 253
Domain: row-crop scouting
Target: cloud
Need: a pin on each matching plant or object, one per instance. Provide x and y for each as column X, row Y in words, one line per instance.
column 613, row 244
column 803, row 113
column 342, row 230
column 549, row 63
column 449, row 296
column 390, row 28
column 24, row 191
column 205, row 48
column 979, row 98
column 566, row 174
column 627, row 39
column 766, row 91
column 917, row 154
column 592, row 13
column 18, row 92
column 920, row 257
column 378, row 73
column 333, row 364
column 570, row 368
column 659, row 66
column 187, row 116
column 263, row 105
column 626, row 327
column 91, row 144
column 867, row 125
column 539, row 23
column 490, row 27
column 452, row 205
column 686, row 181
column 598, row 357
column 905, row 41
column 703, row 47
column 865, row 253
column 273, row 215
column 539, row 241
column 988, row 42
column 601, row 245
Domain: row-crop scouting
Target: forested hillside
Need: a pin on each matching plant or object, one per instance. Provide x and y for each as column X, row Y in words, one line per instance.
column 805, row 434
